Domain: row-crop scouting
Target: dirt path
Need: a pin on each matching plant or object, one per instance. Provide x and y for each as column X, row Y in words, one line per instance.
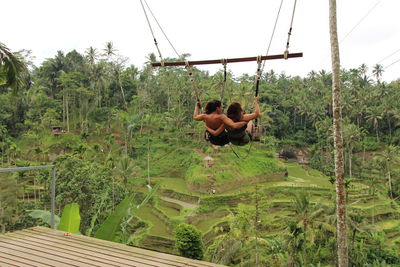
column 183, row 204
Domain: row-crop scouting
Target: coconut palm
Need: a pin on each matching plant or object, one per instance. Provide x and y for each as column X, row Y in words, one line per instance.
column 13, row 71
column 109, row 50
column 91, row 55
column 377, row 72
column 388, row 158
column 343, row 257
column 351, row 134
column 373, row 117
column 126, row 168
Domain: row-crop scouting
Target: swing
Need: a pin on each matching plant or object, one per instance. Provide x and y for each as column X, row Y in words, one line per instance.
column 257, row 129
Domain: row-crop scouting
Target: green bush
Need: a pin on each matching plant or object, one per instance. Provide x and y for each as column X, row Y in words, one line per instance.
column 189, row 242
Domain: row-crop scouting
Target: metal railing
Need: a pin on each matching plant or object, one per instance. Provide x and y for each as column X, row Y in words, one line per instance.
column 53, row 185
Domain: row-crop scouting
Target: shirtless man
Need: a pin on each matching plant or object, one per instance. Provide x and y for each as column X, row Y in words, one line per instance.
column 214, row 119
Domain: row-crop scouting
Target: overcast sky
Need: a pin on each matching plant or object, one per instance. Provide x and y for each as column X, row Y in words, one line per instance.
column 211, row 29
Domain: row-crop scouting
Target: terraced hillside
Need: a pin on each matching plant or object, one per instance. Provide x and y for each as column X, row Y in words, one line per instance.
column 210, row 191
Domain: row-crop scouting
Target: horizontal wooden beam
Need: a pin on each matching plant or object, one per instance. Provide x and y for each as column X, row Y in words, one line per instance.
column 221, row 61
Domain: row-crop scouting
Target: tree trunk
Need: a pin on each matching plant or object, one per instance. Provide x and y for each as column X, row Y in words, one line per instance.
column 63, row 111
column 123, row 95
column 350, row 161
column 390, row 184
column 343, row 260
column 67, row 112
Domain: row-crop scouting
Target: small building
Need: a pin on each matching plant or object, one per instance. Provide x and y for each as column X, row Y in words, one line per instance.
column 57, row 130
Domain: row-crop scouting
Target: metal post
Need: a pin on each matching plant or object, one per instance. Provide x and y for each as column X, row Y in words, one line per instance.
column 53, row 197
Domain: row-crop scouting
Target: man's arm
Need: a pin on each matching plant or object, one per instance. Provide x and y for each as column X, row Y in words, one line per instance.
column 196, row 115
column 230, row 123
column 215, row 132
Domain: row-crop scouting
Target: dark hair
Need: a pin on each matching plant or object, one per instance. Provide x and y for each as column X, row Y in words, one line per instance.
column 235, row 111
column 212, row 106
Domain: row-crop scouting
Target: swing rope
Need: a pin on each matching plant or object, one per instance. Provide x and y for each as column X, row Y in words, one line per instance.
column 286, row 53
column 260, row 70
column 152, row 33
column 165, row 35
column 187, row 65
column 273, row 33
column 224, row 63
column 194, row 85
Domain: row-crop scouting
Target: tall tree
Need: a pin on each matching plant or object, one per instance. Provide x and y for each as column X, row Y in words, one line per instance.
column 341, row 235
column 388, row 158
column 109, row 50
column 351, row 134
column 377, row 72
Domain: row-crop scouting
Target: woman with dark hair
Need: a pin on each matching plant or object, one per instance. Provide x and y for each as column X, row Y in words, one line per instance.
column 215, row 121
column 243, row 135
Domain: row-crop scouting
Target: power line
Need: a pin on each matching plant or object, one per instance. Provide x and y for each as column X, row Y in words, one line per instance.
column 352, row 29
column 391, row 64
column 388, row 56
column 359, row 22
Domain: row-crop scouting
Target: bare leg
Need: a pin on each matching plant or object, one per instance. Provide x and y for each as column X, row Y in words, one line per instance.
column 250, row 127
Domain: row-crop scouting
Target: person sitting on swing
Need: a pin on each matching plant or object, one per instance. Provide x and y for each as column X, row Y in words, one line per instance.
column 215, row 122
column 243, row 135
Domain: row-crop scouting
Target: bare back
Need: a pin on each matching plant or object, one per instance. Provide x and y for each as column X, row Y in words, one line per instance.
column 212, row 120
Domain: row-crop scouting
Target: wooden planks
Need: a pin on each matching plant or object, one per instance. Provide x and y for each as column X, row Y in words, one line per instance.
column 41, row 246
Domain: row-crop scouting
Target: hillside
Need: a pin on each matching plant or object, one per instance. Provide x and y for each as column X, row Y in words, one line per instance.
column 209, row 187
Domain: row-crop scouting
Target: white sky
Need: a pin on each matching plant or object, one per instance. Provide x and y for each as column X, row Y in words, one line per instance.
column 210, row 29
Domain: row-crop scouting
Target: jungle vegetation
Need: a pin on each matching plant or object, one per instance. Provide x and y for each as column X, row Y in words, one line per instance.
column 130, row 156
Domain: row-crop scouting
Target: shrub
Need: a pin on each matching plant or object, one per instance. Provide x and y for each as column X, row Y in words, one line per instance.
column 188, row 241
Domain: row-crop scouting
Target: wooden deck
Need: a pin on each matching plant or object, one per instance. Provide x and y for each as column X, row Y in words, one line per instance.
column 40, row 246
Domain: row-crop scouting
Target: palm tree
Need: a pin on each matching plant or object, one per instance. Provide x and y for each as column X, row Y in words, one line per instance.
column 363, row 69
column 13, row 70
column 109, row 50
column 377, row 72
column 373, row 117
column 91, row 55
column 126, row 168
column 388, row 158
column 351, row 134
column 343, row 258
column 306, row 214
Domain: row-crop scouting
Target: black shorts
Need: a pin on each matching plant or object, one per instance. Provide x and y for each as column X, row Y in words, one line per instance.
column 219, row 140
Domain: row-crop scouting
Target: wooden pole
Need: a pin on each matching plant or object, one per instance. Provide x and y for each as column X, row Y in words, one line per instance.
column 221, row 61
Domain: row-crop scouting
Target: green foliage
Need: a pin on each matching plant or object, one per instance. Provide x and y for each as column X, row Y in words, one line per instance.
column 50, row 118
column 189, row 242
column 115, row 226
column 112, row 111
column 370, row 144
column 45, row 216
column 70, row 219
column 112, row 224
column 80, row 181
